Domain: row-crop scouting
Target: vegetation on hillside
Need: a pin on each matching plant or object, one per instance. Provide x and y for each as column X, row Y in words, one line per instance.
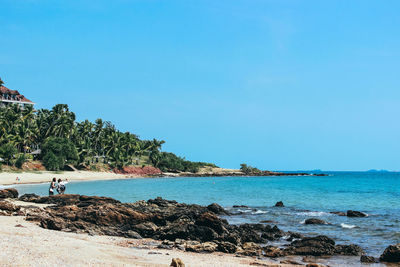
column 249, row 170
column 63, row 141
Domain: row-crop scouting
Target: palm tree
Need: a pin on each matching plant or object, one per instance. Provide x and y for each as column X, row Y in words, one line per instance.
column 1, row 82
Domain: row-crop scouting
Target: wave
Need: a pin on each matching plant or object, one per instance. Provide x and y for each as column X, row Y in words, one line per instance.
column 313, row 213
column 347, row 226
column 259, row 212
column 246, row 211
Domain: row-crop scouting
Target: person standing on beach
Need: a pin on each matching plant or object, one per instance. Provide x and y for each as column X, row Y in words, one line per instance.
column 52, row 187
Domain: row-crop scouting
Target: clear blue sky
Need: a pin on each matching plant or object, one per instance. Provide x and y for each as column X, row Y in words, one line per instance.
column 281, row 85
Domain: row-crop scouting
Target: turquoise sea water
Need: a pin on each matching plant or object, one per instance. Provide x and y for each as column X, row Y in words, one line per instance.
column 377, row 194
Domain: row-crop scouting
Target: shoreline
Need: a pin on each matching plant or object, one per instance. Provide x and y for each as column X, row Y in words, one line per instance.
column 31, row 177
column 26, row 244
column 94, row 224
column 9, row 178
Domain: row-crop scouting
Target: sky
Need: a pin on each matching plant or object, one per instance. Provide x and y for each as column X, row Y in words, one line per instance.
column 276, row 84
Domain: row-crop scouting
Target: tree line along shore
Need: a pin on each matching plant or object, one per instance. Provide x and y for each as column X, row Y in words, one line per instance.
column 52, row 140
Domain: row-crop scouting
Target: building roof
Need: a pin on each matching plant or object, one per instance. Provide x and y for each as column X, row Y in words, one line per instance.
column 19, row 97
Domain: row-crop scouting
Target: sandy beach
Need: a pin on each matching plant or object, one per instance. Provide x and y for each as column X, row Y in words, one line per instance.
column 26, row 244
column 9, row 178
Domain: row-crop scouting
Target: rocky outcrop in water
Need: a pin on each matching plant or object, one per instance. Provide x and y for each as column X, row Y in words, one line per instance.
column 314, row 221
column 354, row 213
column 279, row 204
column 321, row 246
column 391, row 254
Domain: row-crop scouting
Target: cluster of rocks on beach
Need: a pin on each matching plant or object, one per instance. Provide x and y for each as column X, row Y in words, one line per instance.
column 181, row 226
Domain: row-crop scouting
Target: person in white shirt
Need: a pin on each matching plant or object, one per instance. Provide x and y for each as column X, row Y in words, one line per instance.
column 61, row 186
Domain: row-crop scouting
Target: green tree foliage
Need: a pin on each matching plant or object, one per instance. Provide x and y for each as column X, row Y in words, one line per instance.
column 57, row 152
column 52, row 162
column 20, row 161
column 26, row 130
column 172, row 163
column 7, row 152
column 248, row 169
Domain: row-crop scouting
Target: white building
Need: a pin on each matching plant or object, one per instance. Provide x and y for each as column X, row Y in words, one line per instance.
column 8, row 97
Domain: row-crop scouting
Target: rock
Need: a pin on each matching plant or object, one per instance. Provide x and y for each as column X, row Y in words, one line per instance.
column 217, row 209
column 367, row 259
column 196, row 246
column 293, row 236
column 146, row 228
column 349, row 250
column 8, row 206
column 212, row 221
column 251, row 233
column 315, row 246
column 209, row 247
column 8, row 193
column 251, row 249
column 272, row 233
column 240, row 206
column 354, row 213
column 177, row 262
column 315, row 221
column 226, row 247
column 391, row 254
column 315, row 265
column 279, row 204
column 273, row 252
column 29, row 197
column 182, row 226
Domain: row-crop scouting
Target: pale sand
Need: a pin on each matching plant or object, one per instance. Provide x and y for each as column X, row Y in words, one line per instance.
column 31, row 245
column 8, row 178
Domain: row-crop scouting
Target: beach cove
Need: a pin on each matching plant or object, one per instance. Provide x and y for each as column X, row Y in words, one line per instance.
column 252, row 199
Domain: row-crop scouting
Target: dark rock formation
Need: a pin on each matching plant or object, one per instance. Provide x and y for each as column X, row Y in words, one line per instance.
column 187, row 227
column 349, row 250
column 315, row 246
column 8, row 193
column 240, row 206
column 8, row 208
column 29, row 197
column 279, row 204
column 391, row 254
column 354, row 213
column 314, row 221
column 367, row 259
column 217, row 209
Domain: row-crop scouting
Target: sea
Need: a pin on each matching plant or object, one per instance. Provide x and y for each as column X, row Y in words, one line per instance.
column 374, row 193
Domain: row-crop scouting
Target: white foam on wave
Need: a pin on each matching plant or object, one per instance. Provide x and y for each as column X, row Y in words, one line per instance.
column 347, row 226
column 244, row 210
column 260, row 212
column 303, row 222
column 313, row 213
